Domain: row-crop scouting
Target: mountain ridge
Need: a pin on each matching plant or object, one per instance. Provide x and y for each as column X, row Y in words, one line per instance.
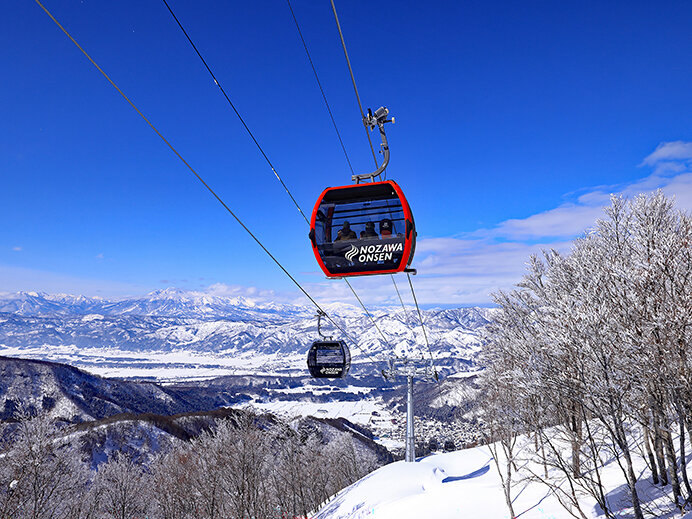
column 203, row 335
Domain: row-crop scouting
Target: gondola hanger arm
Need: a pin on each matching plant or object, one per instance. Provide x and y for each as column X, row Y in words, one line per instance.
column 378, row 119
column 321, row 314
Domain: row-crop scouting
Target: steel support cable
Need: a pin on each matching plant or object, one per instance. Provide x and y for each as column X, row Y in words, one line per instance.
column 422, row 325
column 353, row 80
column 194, row 172
column 403, row 307
column 319, row 84
column 406, row 318
column 324, row 97
column 206, row 65
column 372, row 149
column 372, row 319
column 362, row 114
column 240, row 117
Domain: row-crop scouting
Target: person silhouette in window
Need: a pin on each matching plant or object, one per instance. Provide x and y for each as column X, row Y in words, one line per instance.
column 369, row 231
column 346, row 233
column 385, row 227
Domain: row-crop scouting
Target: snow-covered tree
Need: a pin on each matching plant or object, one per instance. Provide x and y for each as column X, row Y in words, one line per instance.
column 121, row 488
column 41, row 477
column 593, row 348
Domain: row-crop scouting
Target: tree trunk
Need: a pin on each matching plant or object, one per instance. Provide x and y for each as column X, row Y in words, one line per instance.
column 650, row 455
column 658, row 448
column 508, row 490
column 576, row 445
column 545, row 462
column 670, row 451
column 687, row 416
column 540, row 449
column 598, row 492
column 506, row 475
column 631, row 483
column 621, row 438
column 683, row 461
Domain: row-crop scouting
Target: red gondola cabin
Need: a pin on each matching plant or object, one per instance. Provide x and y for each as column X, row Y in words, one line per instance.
column 363, row 229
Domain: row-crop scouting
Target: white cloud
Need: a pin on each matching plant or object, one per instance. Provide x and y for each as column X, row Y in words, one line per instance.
column 247, row 292
column 568, row 219
column 17, row 249
column 452, row 271
column 668, row 151
column 100, row 256
column 672, row 173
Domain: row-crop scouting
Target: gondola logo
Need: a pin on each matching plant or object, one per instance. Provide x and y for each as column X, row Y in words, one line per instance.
column 352, row 253
column 379, row 252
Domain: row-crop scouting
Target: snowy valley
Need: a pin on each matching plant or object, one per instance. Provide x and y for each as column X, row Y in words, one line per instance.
column 222, row 351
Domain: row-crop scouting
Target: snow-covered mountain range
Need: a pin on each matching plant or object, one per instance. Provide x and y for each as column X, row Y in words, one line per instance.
column 177, row 334
column 170, row 302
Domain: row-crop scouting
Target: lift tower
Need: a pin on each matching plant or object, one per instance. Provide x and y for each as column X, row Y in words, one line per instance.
column 410, row 368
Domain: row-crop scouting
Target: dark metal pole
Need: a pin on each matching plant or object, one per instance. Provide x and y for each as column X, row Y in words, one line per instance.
column 410, row 437
column 409, row 368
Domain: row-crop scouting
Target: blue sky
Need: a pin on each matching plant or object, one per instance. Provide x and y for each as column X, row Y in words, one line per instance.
column 514, row 123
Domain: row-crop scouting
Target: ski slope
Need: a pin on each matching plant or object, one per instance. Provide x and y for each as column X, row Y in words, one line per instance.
column 451, row 485
column 466, row 484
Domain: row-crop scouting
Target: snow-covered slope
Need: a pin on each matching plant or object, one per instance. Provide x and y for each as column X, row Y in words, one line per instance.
column 451, row 485
column 466, row 484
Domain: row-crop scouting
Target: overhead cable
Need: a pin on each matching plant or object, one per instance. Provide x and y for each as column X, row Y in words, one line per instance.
column 403, row 307
column 324, row 97
column 362, row 114
column 319, row 84
column 206, row 65
column 240, row 117
column 420, row 317
column 194, row 172
column 353, row 80
column 372, row 319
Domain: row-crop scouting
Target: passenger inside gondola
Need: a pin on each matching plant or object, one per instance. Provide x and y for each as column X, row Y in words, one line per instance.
column 346, row 233
column 369, row 231
column 385, row 227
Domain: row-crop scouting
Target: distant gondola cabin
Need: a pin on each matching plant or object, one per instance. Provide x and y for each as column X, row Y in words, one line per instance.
column 363, row 229
column 329, row 359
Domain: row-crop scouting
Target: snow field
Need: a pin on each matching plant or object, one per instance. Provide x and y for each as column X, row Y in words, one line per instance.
column 359, row 412
column 466, row 484
column 452, row 485
column 178, row 365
